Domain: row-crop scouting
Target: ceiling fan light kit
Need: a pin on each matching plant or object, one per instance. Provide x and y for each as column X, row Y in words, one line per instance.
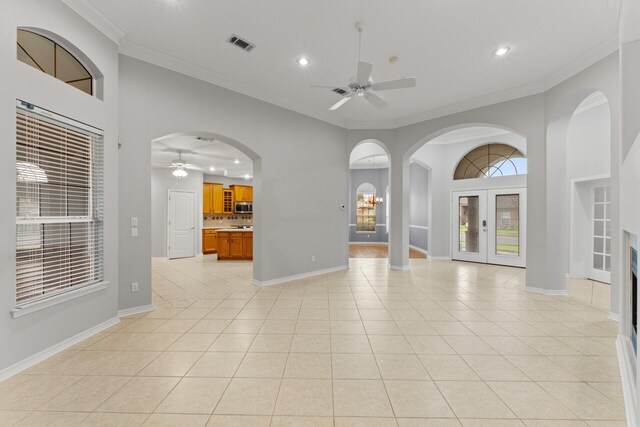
column 363, row 85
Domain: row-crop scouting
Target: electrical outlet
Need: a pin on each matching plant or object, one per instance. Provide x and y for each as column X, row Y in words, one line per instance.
column 134, row 287
column 313, row 258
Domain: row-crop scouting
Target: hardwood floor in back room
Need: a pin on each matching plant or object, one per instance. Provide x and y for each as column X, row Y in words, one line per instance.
column 377, row 251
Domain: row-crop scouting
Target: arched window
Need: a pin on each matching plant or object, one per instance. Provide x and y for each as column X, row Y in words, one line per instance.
column 49, row 57
column 491, row 160
column 365, row 210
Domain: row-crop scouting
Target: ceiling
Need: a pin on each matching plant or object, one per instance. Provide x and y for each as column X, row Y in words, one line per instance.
column 368, row 155
column 202, row 154
column 447, row 45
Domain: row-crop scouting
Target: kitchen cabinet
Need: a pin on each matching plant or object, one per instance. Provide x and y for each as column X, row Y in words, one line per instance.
column 248, row 245
column 242, row 193
column 227, row 201
column 209, row 241
column 223, row 245
column 212, row 198
column 207, row 198
column 235, row 245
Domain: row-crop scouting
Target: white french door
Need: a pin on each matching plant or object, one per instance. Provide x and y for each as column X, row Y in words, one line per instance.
column 601, row 234
column 489, row 226
column 181, row 236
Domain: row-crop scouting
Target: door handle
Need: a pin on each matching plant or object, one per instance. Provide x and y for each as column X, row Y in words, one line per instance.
column 484, row 225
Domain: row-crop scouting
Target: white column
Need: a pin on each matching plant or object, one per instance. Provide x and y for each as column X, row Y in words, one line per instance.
column 399, row 224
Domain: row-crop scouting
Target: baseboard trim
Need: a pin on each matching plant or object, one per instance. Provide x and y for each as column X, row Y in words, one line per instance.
column 298, row 276
column 440, row 258
column 20, row 366
column 369, row 243
column 550, row 292
column 398, row 267
column 135, row 310
column 422, row 251
column 628, row 379
column 614, row 316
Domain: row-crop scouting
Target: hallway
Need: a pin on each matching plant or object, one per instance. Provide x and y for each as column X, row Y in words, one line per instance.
column 443, row 344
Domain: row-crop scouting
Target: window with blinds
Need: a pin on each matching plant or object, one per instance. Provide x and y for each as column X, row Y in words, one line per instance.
column 59, row 204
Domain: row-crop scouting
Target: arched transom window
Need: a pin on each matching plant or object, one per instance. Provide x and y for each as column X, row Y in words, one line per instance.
column 491, row 160
column 49, row 57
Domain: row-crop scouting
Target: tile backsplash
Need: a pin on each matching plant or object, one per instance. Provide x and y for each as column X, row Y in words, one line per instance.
column 227, row 220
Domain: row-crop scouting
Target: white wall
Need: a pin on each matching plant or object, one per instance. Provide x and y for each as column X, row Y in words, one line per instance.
column 32, row 333
column 300, row 171
column 161, row 182
column 443, row 159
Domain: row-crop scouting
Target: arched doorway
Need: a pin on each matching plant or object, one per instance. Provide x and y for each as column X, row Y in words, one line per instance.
column 588, row 190
column 475, row 193
column 368, row 181
column 203, row 193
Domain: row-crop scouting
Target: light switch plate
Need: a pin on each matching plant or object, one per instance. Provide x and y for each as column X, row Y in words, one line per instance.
column 134, row 231
column 134, row 221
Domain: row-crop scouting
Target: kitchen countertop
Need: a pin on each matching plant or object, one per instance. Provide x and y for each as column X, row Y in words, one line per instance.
column 228, row 229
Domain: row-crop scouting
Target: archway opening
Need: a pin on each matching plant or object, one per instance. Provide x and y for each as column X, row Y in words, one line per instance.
column 588, row 190
column 202, row 211
column 368, row 184
column 468, row 196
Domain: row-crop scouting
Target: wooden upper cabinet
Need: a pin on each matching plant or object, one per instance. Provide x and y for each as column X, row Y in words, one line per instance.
column 218, row 195
column 212, row 198
column 227, row 201
column 207, row 198
column 242, row 193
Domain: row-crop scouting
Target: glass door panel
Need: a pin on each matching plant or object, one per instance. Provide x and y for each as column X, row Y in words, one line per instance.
column 507, row 231
column 469, row 224
column 469, row 237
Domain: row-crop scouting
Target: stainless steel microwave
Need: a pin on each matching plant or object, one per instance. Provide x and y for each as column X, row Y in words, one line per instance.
column 243, row 208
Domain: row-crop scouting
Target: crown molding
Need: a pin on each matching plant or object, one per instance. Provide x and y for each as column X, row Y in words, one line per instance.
column 129, row 48
column 160, row 59
column 96, row 18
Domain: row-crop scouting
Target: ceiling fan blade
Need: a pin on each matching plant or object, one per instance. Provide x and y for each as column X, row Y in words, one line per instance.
column 375, row 100
column 339, row 103
column 329, row 87
column 395, row 84
column 364, row 71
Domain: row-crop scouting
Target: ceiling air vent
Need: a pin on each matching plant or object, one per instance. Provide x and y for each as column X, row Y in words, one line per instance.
column 241, row 43
column 339, row 91
column 200, row 138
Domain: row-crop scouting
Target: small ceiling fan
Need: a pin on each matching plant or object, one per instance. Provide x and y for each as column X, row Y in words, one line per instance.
column 181, row 165
column 363, row 85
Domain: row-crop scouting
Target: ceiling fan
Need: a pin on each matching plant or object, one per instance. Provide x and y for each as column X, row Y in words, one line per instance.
column 363, row 85
column 181, row 166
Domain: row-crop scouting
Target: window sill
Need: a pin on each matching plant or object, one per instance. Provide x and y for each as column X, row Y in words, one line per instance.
column 32, row 307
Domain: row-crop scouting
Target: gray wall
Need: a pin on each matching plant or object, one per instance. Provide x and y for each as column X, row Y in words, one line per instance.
column 379, row 178
column 419, row 204
column 161, row 182
column 294, row 219
column 35, row 332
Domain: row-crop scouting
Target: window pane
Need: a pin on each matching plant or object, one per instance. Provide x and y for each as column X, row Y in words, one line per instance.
column 598, row 211
column 599, row 195
column 598, row 228
column 598, row 245
column 40, row 49
column 469, row 224
column 598, row 262
column 508, row 224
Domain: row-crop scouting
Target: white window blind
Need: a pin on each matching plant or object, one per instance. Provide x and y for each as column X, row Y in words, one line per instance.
column 59, row 204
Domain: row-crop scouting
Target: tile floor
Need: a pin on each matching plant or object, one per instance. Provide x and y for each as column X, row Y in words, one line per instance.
column 443, row 344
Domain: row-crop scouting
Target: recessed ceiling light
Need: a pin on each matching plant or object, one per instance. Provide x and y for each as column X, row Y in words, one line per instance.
column 236, row 161
column 212, row 168
column 501, row 51
column 303, row 61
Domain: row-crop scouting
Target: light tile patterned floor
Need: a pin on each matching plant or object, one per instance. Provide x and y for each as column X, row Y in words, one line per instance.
column 443, row 344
